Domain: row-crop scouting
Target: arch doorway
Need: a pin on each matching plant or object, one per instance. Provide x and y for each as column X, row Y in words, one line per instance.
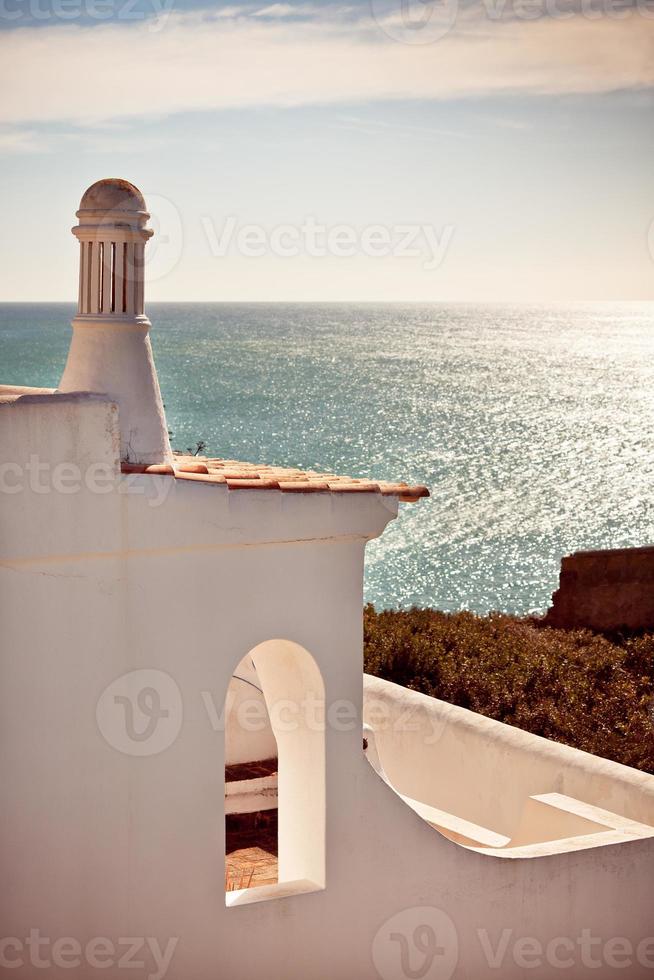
column 276, row 701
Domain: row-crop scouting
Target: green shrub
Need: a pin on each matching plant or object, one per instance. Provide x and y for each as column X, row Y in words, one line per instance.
column 590, row 691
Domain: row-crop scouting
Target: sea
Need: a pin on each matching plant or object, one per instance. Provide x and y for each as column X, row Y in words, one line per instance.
column 532, row 425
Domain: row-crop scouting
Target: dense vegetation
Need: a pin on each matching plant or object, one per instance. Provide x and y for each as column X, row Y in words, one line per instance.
column 590, row 691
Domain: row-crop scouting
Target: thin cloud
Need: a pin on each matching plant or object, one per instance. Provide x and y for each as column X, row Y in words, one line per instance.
column 21, row 141
column 277, row 10
column 373, row 127
column 128, row 71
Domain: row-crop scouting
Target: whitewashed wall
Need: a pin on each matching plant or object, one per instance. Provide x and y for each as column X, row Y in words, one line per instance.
column 107, row 836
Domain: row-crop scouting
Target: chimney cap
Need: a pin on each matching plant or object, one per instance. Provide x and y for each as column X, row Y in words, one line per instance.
column 113, row 194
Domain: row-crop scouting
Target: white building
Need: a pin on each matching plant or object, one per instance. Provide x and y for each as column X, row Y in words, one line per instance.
column 132, row 585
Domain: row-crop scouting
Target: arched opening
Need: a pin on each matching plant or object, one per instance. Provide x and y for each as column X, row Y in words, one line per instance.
column 276, row 701
column 251, row 764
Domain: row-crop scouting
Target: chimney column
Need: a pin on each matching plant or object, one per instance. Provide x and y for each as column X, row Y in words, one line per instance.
column 110, row 351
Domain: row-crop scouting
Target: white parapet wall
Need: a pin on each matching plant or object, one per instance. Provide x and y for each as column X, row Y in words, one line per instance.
column 484, row 771
column 451, row 765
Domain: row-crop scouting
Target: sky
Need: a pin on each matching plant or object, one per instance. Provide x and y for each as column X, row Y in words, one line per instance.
column 407, row 150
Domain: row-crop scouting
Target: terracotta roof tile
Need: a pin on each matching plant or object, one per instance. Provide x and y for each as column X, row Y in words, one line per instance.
column 159, row 469
column 192, row 468
column 351, row 486
column 251, row 476
column 303, row 486
column 255, row 484
column 201, row 477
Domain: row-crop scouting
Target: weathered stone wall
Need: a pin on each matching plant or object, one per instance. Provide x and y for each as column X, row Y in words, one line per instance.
column 605, row 590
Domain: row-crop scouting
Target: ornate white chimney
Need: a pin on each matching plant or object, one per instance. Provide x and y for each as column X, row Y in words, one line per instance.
column 110, row 351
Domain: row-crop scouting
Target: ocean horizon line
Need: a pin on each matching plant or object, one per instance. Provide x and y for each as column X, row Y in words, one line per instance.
column 355, row 302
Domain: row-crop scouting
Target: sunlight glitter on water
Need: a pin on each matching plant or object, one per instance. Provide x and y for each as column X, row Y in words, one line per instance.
column 532, row 426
